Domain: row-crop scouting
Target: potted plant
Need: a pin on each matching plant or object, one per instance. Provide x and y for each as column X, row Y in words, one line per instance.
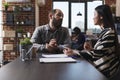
column 24, row 47
column 6, row 5
column 19, row 32
column 25, row 43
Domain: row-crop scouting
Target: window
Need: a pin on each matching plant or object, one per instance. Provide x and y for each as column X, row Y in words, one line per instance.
column 90, row 14
column 64, row 8
column 71, row 19
column 78, row 21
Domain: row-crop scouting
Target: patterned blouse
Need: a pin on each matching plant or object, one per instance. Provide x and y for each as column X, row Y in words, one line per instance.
column 103, row 56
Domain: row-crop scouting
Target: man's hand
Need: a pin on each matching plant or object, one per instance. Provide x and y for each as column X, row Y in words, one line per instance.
column 52, row 45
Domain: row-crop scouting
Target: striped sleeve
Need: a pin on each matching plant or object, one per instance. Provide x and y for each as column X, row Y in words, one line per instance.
column 103, row 56
column 104, row 46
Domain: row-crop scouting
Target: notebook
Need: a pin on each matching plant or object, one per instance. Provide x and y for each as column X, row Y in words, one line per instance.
column 54, row 55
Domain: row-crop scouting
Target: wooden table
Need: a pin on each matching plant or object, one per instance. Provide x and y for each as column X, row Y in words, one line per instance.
column 34, row 70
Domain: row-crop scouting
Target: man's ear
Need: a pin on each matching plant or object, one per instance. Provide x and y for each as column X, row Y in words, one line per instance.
column 50, row 16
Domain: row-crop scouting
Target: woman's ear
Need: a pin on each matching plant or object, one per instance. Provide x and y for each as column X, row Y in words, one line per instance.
column 101, row 17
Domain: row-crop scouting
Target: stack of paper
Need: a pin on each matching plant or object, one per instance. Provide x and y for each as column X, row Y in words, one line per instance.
column 56, row 58
column 54, row 55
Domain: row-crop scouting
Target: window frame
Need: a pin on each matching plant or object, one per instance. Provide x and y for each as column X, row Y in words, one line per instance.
column 69, row 10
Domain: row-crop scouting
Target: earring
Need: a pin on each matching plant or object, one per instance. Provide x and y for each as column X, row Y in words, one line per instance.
column 101, row 18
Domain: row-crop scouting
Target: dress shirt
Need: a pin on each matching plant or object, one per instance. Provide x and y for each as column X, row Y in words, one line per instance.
column 43, row 34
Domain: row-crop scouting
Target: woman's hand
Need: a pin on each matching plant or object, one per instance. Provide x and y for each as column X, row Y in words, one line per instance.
column 68, row 51
column 88, row 46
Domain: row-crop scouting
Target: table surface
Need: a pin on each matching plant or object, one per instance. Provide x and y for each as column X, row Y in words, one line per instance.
column 34, row 70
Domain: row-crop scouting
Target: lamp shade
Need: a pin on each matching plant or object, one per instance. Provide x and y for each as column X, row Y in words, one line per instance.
column 79, row 14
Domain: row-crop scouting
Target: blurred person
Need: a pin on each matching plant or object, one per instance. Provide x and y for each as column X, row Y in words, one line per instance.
column 77, row 39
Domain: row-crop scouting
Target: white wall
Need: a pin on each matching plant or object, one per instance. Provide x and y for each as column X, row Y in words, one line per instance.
column 36, row 14
column 117, row 7
column 1, row 40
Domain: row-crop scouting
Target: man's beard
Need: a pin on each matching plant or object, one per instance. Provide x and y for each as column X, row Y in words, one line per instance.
column 57, row 23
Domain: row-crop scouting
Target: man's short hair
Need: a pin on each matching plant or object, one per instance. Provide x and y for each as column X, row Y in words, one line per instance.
column 53, row 11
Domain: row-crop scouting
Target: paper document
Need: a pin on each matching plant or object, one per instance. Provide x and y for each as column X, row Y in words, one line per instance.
column 47, row 60
column 54, row 55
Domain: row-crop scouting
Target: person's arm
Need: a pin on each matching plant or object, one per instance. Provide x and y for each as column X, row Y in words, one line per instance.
column 70, row 52
column 48, row 47
column 104, row 46
column 36, row 39
column 39, row 46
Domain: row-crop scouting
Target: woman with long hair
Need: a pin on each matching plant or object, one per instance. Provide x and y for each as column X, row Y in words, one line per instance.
column 104, row 54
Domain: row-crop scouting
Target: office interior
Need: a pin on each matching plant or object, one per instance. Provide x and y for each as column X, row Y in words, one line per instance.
column 19, row 18
column 24, row 15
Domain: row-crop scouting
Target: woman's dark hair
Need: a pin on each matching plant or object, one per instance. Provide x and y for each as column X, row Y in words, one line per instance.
column 105, row 12
column 108, row 22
